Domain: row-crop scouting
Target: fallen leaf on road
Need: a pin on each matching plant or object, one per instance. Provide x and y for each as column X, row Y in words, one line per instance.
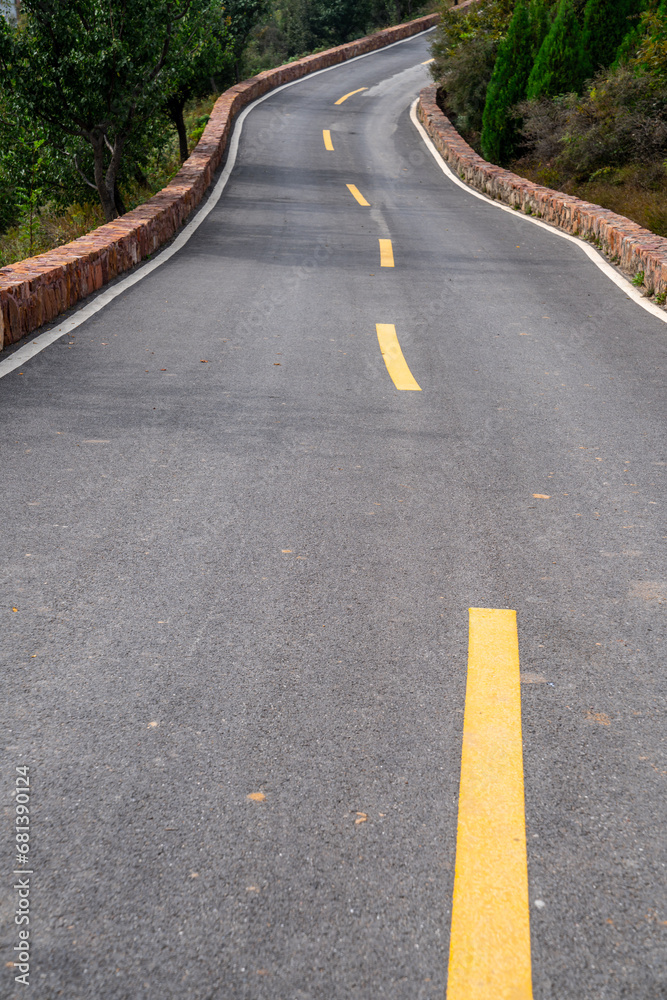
column 600, row 717
column 194, row 874
column 361, row 818
column 256, row 796
column 14, row 609
column 152, row 725
column 542, row 496
column 202, row 362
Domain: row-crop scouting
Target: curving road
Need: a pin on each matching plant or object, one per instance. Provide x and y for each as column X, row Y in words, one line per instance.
column 235, row 585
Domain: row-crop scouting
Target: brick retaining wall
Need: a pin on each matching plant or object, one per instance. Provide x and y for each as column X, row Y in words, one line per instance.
column 626, row 243
column 38, row 289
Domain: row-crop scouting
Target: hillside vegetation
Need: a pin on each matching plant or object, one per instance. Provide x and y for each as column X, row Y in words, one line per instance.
column 569, row 93
column 101, row 100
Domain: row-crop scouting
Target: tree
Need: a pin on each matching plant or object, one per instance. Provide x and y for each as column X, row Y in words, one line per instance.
column 514, row 62
column 242, row 17
column 561, row 65
column 606, row 24
column 193, row 77
column 94, row 73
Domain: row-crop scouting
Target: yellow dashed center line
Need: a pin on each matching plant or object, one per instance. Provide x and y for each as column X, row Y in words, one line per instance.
column 386, row 254
column 345, row 96
column 326, row 134
column 396, row 364
column 489, row 956
column 356, row 193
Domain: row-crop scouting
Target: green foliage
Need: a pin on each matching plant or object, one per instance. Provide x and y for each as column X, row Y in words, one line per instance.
column 464, row 49
column 650, row 55
column 606, row 24
column 94, row 74
column 561, row 65
column 500, row 128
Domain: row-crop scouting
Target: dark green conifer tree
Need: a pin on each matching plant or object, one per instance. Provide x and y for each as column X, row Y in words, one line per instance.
column 506, row 88
column 516, row 55
column 606, row 24
column 561, row 65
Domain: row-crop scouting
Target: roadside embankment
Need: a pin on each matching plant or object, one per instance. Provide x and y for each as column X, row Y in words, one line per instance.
column 36, row 290
column 637, row 251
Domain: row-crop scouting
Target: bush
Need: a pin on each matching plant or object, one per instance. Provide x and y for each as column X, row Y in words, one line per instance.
column 621, row 120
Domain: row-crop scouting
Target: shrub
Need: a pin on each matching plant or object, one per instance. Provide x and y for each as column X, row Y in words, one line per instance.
column 622, row 119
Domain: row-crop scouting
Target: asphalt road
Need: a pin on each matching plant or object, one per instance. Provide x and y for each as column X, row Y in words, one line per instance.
column 247, row 568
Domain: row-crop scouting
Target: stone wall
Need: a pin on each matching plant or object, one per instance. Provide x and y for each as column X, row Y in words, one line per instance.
column 636, row 250
column 38, row 289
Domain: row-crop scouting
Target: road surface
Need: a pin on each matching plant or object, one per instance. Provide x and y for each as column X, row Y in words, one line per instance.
column 237, row 563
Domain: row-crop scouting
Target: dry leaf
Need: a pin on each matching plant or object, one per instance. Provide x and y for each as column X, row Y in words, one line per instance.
column 152, row 725
column 14, row 609
column 194, row 874
column 286, row 551
column 202, row 362
column 600, row 717
column 541, row 496
column 256, row 796
column 361, row 818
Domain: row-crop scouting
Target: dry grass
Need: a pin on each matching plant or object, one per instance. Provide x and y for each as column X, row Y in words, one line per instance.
column 639, row 192
column 51, row 228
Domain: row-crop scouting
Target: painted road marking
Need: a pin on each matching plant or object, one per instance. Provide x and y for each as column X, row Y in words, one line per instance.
column 328, row 144
column 593, row 255
column 386, row 254
column 489, row 956
column 427, row 61
column 396, row 364
column 356, row 193
column 84, row 312
column 345, row 96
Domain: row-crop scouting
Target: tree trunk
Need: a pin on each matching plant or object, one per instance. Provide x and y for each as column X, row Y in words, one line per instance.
column 175, row 107
column 118, row 199
column 106, row 195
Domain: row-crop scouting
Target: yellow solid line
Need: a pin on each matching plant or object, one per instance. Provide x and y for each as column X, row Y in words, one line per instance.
column 386, row 254
column 356, row 193
column 427, row 61
column 345, row 96
column 396, row 364
column 328, row 144
column 489, row 956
